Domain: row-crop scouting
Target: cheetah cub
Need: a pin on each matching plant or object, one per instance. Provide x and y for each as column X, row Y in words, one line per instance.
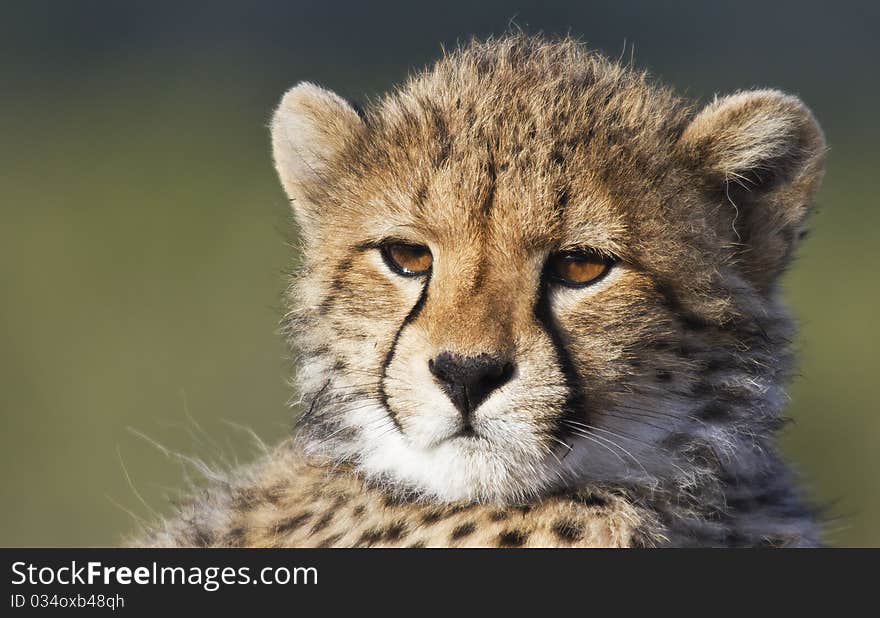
column 538, row 306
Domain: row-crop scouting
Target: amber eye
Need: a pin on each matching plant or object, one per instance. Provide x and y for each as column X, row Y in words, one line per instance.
column 407, row 259
column 578, row 269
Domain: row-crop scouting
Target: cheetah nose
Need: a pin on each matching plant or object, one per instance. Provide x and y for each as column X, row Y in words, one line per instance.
column 469, row 380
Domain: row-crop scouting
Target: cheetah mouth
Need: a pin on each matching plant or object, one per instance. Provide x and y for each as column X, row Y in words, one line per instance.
column 464, row 435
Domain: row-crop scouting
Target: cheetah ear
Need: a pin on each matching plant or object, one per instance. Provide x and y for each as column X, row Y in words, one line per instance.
column 309, row 129
column 763, row 152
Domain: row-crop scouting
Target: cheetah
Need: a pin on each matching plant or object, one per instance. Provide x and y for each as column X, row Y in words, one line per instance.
column 538, row 306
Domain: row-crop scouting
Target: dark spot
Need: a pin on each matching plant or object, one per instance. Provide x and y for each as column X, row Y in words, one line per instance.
column 703, row 388
column 443, row 140
column 339, row 500
column 692, row 322
column 395, row 531
column 512, row 538
column 715, row 364
column 774, row 542
column 740, row 504
column 787, row 234
column 685, row 351
column 562, row 198
column 325, row 306
column 736, row 539
column 246, row 499
column 421, row 194
column 391, row 500
column 273, row 494
column 669, row 296
column 435, row 515
column 702, row 455
column 463, row 530
column 592, row 500
column 568, row 530
column 340, row 365
column 712, row 412
column 322, row 523
column 234, row 537
column 369, row 537
column 292, row 523
column 676, row 441
column 359, row 511
column 524, row 509
column 491, row 175
column 432, row 517
column 329, row 541
column 337, row 282
column 202, row 537
column 499, row 515
column 664, row 376
column 417, row 545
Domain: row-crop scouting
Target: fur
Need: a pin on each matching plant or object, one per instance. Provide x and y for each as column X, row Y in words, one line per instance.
column 658, row 389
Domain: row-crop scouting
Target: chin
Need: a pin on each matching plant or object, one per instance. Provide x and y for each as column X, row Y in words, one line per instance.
column 451, row 465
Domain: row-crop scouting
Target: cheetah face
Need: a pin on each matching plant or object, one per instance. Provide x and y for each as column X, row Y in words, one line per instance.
column 531, row 268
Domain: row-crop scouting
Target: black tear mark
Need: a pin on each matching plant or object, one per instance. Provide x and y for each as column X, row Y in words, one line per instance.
column 389, row 356
column 574, row 407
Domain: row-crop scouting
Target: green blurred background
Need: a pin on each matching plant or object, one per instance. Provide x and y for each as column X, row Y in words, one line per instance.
column 144, row 236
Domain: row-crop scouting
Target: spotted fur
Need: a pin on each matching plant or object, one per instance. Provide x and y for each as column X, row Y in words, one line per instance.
column 285, row 501
column 642, row 409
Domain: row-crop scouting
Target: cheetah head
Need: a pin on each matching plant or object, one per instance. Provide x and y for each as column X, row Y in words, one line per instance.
column 531, row 267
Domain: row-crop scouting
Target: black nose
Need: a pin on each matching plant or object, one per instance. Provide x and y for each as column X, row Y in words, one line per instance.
column 468, row 380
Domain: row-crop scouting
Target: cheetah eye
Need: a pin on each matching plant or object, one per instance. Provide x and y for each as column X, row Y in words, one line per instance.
column 407, row 259
column 578, row 269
